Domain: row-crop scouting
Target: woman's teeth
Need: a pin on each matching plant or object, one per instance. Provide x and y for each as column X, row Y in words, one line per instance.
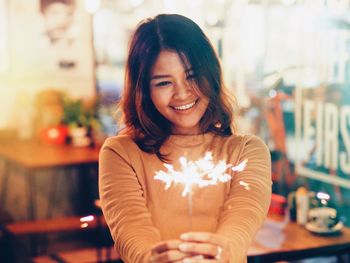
column 184, row 107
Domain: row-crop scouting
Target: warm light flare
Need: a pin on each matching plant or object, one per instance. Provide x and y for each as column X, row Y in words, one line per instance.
column 92, row 6
column 87, row 218
column 323, row 196
column 84, row 225
column 53, row 133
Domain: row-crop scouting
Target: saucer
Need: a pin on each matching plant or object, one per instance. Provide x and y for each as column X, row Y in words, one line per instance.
column 321, row 230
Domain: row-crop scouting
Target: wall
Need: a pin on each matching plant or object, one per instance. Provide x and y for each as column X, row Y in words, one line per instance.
column 33, row 63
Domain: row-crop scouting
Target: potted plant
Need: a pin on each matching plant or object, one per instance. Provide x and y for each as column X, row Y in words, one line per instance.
column 81, row 120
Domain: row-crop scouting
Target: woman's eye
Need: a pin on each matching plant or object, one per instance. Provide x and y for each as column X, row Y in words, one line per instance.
column 163, row 83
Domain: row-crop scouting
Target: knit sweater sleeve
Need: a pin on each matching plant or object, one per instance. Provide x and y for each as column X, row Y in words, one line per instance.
column 247, row 204
column 123, row 203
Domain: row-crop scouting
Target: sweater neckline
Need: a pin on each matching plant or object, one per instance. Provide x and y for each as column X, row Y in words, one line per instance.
column 189, row 140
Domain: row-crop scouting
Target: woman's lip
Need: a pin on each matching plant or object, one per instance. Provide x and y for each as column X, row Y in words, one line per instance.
column 186, row 106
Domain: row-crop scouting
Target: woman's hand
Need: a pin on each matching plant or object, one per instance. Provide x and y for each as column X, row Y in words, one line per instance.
column 168, row 251
column 212, row 247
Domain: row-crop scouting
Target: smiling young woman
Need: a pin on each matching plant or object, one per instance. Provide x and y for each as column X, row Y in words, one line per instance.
column 175, row 34
column 175, row 104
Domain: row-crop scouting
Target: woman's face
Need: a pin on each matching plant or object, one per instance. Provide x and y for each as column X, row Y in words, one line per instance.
column 175, row 95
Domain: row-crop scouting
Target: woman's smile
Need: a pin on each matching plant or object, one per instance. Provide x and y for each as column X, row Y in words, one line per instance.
column 185, row 107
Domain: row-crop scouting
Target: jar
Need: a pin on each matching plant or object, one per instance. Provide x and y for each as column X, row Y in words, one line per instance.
column 302, row 202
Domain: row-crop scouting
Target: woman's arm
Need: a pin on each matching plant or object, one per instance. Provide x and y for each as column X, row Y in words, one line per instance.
column 124, row 205
column 248, row 202
column 243, row 212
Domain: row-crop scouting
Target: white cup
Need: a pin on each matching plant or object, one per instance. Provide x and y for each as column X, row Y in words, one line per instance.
column 323, row 217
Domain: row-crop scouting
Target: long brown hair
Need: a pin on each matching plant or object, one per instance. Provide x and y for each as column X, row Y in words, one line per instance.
column 142, row 121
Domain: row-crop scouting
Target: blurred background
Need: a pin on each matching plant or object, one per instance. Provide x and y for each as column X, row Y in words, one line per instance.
column 62, row 71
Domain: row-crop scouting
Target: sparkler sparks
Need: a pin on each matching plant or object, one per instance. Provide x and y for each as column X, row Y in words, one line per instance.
column 245, row 185
column 203, row 172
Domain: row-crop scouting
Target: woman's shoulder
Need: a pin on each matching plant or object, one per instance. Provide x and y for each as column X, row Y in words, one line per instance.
column 119, row 141
column 120, row 145
column 237, row 139
column 243, row 144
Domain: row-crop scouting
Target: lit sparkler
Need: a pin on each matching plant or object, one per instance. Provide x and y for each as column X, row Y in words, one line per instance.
column 201, row 173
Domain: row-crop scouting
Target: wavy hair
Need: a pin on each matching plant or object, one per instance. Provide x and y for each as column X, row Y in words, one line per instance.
column 148, row 128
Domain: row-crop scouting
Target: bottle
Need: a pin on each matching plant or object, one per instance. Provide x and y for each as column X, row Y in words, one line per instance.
column 292, row 206
column 302, row 201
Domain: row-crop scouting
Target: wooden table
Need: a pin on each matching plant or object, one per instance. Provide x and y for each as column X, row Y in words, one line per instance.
column 280, row 239
column 35, row 155
column 31, row 157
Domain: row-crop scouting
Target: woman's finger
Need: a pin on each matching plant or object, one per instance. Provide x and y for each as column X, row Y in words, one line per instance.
column 206, row 249
column 169, row 256
column 204, row 237
column 198, row 260
column 165, row 245
column 211, row 245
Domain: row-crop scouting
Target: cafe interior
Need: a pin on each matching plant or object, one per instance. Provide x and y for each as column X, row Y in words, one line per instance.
column 62, row 68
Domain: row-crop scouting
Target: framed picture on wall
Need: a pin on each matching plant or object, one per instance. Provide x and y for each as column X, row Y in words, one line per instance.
column 59, row 30
column 4, row 60
column 47, row 44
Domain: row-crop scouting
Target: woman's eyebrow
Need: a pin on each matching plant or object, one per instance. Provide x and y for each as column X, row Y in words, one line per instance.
column 189, row 70
column 160, row 76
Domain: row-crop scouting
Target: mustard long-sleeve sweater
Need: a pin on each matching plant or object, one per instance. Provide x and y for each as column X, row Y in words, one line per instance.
column 140, row 212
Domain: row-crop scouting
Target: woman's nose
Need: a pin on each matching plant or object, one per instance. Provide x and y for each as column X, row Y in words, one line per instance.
column 182, row 90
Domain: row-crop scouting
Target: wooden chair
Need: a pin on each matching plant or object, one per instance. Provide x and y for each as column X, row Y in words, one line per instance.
column 34, row 229
column 80, row 256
